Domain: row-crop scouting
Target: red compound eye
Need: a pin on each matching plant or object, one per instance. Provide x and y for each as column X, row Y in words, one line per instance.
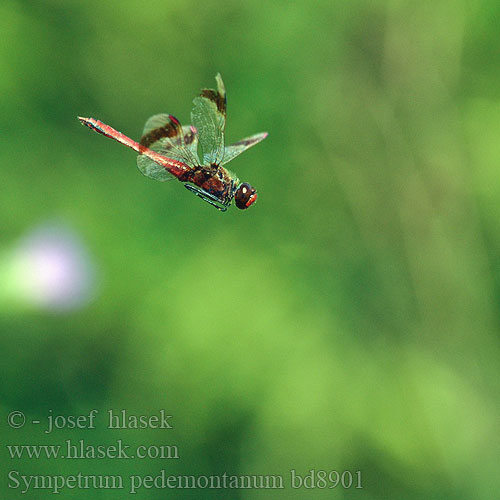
column 245, row 196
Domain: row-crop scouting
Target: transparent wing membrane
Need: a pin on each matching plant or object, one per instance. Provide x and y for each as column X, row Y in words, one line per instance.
column 242, row 145
column 209, row 118
column 164, row 134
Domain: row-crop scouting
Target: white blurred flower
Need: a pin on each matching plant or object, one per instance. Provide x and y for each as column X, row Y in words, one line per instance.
column 50, row 268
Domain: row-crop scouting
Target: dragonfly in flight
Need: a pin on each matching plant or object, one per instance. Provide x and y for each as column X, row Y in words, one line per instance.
column 168, row 150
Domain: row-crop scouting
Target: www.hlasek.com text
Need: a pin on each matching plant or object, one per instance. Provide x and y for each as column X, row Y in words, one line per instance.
column 82, row 450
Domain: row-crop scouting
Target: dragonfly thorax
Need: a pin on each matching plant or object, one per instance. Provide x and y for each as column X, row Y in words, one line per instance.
column 245, row 196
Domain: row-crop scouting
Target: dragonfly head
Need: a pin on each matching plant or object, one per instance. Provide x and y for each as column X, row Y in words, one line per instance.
column 245, row 196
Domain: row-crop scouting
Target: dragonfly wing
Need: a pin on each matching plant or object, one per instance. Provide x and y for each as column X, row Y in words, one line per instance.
column 153, row 170
column 209, row 118
column 164, row 134
column 191, row 141
column 237, row 148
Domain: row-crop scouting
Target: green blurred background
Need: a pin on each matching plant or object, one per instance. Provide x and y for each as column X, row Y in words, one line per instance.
column 348, row 321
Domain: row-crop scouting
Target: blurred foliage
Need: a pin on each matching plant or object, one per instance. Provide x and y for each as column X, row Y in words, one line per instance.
column 348, row 321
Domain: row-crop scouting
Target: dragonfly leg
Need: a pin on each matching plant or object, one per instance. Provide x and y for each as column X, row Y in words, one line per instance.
column 205, row 196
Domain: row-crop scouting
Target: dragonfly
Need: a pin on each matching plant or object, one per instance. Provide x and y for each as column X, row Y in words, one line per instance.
column 168, row 150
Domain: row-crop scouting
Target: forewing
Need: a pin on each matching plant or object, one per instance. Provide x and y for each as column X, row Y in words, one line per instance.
column 209, row 118
column 237, row 148
column 164, row 134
